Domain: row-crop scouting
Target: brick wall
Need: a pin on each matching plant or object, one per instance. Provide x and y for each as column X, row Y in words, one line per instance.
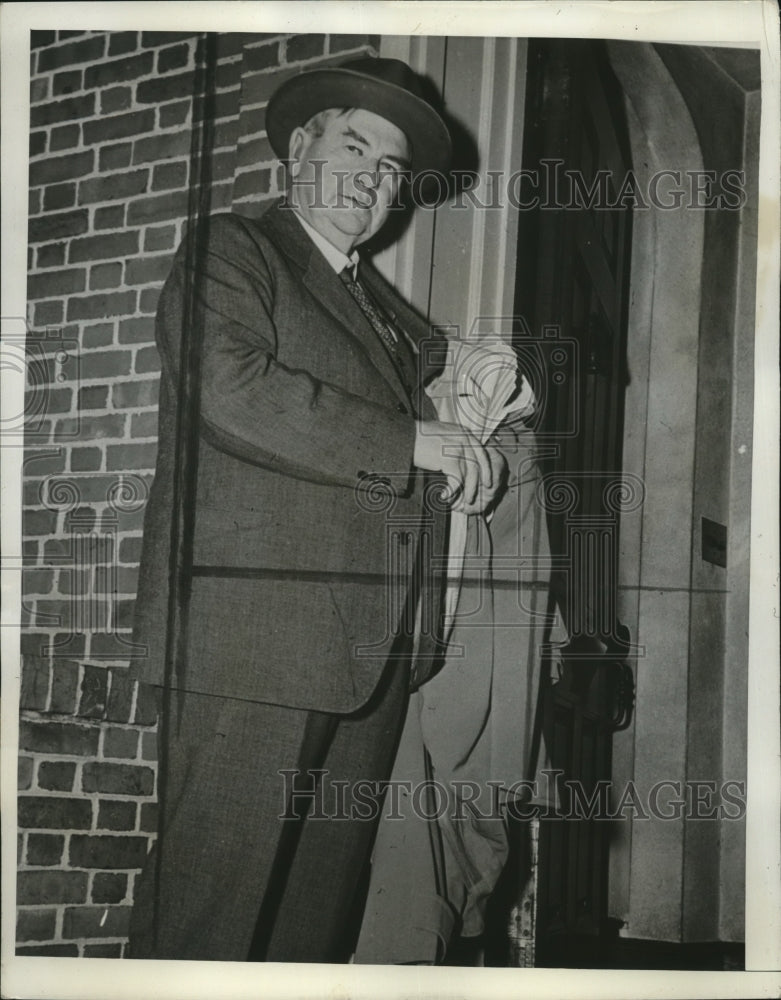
column 110, row 135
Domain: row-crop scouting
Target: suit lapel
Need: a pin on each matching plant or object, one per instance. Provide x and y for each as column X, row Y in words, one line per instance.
column 324, row 284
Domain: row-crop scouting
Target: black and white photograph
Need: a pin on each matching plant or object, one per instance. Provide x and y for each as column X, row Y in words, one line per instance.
column 390, row 499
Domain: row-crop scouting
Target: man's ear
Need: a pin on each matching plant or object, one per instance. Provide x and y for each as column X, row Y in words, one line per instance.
column 299, row 140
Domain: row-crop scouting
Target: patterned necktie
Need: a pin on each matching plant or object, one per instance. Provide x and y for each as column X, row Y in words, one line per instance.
column 379, row 324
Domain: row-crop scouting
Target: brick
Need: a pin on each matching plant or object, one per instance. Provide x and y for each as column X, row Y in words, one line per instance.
column 34, row 202
column 161, row 147
column 119, row 70
column 118, row 126
column 122, row 611
column 115, row 99
column 148, row 752
column 50, row 887
column 223, row 166
column 65, row 137
column 147, row 360
column 120, row 42
column 165, row 88
column 45, row 849
column 39, row 522
column 159, row 238
column 109, row 852
column 96, row 921
column 65, row 686
column 58, row 196
column 56, row 775
column 149, row 817
column 116, row 815
column 175, row 113
column 37, row 581
column 50, row 255
column 253, row 152
column 110, row 217
column 97, row 335
column 136, row 330
column 97, row 306
column 223, row 105
column 228, row 74
column 146, row 705
column 175, row 57
column 94, row 695
column 111, row 949
column 86, row 51
column 49, row 950
column 252, row 183
column 341, row 43
column 52, row 227
column 120, row 743
column 61, row 168
column 143, row 270
column 144, row 425
column 64, row 738
column 54, row 112
column 62, row 35
column 153, row 39
column 301, row 47
column 157, row 208
column 115, row 156
column 48, row 314
column 117, row 779
column 93, row 397
column 35, row 684
column 37, row 143
column 104, row 276
column 147, row 301
column 111, row 646
column 86, row 459
column 92, row 427
column 35, row 925
column 130, row 552
column 113, row 187
column 66, row 83
column 24, row 773
column 120, row 699
column 54, row 813
column 69, row 644
column 135, row 394
column 109, row 887
column 41, row 38
column 169, row 175
column 91, row 248
column 62, row 282
column 39, row 90
column 258, row 57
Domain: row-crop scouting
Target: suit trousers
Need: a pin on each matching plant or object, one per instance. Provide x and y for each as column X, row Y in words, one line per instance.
column 256, row 858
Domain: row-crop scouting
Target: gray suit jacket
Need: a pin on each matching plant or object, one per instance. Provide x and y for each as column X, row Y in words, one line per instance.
column 301, row 555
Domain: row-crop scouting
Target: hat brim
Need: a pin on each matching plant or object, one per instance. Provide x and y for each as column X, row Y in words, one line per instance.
column 305, row 95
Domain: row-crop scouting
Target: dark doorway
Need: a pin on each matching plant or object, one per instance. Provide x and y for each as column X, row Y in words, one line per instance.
column 572, row 291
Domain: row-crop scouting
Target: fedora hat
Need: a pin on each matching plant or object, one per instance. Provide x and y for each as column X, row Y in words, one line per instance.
column 388, row 87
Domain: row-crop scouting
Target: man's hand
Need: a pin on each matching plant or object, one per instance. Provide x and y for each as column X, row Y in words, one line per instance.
column 474, row 473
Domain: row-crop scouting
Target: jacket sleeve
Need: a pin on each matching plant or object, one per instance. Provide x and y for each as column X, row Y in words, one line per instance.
column 257, row 409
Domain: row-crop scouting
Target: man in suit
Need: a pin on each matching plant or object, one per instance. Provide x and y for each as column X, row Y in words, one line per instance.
column 308, row 607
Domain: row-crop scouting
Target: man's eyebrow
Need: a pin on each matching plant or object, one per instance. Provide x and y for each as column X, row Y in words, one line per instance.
column 350, row 133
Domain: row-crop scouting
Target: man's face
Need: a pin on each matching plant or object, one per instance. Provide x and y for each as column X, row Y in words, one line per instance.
column 345, row 181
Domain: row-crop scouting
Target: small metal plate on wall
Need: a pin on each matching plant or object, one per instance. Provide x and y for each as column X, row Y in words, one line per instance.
column 714, row 542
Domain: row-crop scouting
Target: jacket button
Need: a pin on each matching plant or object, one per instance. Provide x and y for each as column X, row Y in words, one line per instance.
column 401, row 408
